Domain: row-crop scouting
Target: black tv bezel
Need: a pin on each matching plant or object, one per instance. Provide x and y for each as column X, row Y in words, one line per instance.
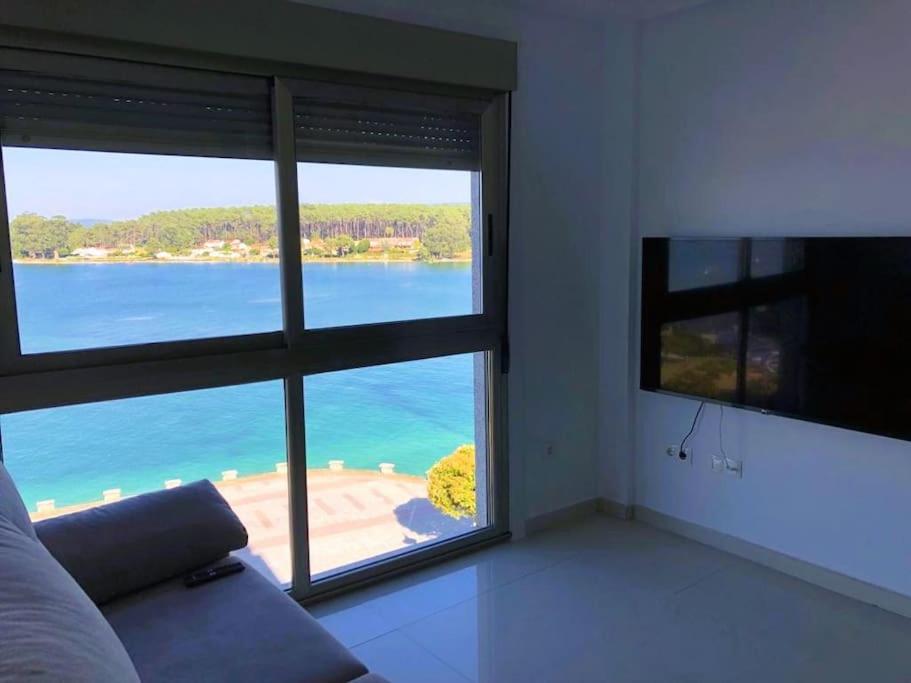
column 655, row 285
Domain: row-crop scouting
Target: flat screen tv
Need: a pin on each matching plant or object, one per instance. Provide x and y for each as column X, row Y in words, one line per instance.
column 813, row 328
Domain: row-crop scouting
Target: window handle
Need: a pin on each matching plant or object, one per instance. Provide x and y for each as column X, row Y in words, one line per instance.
column 490, row 234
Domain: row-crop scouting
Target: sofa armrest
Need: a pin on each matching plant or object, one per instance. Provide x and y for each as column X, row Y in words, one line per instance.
column 119, row 548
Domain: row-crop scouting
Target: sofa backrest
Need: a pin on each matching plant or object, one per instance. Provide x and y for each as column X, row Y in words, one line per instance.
column 51, row 630
column 11, row 506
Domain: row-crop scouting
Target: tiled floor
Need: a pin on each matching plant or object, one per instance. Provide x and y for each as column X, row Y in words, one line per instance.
column 614, row 601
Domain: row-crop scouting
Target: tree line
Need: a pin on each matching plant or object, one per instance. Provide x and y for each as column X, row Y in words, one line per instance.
column 441, row 229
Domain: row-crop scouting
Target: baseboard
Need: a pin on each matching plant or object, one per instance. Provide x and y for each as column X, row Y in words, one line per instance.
column 786, row 564
column 617, row 510
column 570, row 513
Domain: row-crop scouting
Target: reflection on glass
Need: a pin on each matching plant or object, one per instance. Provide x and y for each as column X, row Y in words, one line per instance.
column 774, row 350
column 71, row 458
column 699, row 356
column 400, row 458
column 775, row 256
column 694, row 264
column 387, row 244
column 146, row 248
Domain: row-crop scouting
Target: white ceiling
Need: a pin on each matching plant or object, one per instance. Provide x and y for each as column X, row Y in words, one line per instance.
column 643, row 9
column 634, row 9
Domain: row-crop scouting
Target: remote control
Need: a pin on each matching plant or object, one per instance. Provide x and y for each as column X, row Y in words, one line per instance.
column 205, row 575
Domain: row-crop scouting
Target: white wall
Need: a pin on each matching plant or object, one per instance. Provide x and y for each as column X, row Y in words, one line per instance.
column 779, row 117
column 564, row 123
column 616, row 428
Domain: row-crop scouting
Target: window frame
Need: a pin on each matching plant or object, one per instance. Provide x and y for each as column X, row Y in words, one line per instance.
column 51, row 379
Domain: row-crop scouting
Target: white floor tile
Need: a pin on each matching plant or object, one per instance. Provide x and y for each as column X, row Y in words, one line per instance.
column 351, row 625
column 536, row 625
column 619, row 602
column 402, row 661
column 354, row 619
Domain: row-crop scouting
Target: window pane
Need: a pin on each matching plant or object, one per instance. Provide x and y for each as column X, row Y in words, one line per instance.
column 385, row 244
column 65, row 459
column 144, row 248
column 378, row 484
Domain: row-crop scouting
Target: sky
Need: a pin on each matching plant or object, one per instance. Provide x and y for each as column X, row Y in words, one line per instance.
column 102, row 185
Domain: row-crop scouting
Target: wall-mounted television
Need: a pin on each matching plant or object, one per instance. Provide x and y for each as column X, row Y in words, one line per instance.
column 815, row 328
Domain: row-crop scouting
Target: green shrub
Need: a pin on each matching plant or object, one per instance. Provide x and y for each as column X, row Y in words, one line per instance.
column 451, row 483
column 362, row 247
column 446, row 239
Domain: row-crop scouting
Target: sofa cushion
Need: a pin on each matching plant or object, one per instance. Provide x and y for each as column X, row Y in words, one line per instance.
column 241, row 626
column 11, row 505
column 51, row 631
column 115, row 549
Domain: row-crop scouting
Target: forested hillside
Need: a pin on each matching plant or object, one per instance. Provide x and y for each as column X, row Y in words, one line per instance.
column 442, row 230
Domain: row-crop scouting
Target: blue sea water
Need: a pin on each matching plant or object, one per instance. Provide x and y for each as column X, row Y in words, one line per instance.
column 410, row 414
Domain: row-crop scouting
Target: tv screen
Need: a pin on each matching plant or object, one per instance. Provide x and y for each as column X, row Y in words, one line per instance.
column 813, row 328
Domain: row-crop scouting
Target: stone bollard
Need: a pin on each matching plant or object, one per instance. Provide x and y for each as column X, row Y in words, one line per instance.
column 171, row 483
column 229, row 475
column 110, row 495
column 281, row 467
column 45, row 506
column 336, row 465
column 387, row 468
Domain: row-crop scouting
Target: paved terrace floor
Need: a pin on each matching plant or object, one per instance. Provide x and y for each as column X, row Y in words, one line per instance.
column 354, row 516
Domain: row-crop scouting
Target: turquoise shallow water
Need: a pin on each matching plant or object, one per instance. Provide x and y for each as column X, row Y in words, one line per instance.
column 410, row 414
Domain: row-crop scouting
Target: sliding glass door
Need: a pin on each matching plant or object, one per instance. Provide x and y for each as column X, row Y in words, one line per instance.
column 295, row 289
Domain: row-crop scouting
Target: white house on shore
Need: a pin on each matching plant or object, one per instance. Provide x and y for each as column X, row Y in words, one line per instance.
column 91, row 252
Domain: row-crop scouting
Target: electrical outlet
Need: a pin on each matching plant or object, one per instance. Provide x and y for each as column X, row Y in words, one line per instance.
column 686, row 455
column 733, row 468
column 718, row 464
column 673, row 451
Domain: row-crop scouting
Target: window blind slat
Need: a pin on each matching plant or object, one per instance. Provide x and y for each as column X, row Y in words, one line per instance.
column 330, row 129
column 37, row 109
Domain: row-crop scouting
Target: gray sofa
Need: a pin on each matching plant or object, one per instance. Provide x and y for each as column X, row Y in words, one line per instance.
column 98, row 595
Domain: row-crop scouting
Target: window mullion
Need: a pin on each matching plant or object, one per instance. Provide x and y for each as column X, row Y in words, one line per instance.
column 9, row 323
column 288, row 212
column 288, row 226
column 493, row 209
column 297, row 485
column 494, row 190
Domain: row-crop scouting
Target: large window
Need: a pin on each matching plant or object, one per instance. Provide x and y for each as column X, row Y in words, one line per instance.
column 294, row 289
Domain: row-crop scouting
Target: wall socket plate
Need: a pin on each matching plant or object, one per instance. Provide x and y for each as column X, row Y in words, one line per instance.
column 723, row 465
column 733, row 468
column 673, row 451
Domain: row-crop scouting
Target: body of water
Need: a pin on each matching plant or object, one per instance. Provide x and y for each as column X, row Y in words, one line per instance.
column 410, row 414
